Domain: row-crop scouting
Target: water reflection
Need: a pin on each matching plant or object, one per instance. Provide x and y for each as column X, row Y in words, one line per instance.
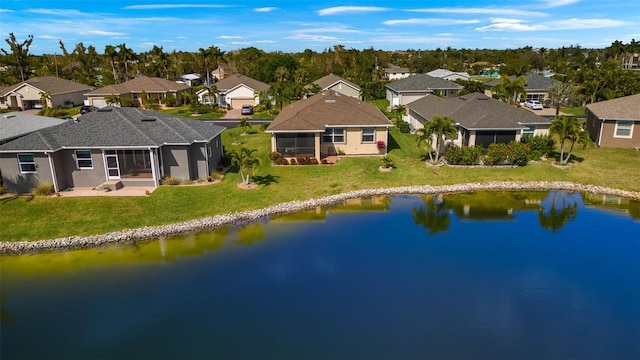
column 558, row 214
column 433, row 215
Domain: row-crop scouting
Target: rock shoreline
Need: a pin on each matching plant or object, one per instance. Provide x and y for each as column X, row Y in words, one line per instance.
column 152, row 232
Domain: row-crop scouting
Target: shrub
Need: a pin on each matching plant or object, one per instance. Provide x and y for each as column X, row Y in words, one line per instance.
column 169, row 100
column 170, row 180
column 293, row 161
column 515, row 153
column 276, row 158
column 387, row 162
column 463, row 155
column 403, row 127
column 226, row 160
column 3, row 190
column 44, row 189
column 301, row 160
column 496, row 154
column 541, row 145
column 313, row 161
column 284, row 162
column 264, row 126
column 126, row 102
column 520, row 153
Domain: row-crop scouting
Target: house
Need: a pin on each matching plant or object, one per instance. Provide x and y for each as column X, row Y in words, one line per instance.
column 237, row 90
column 112, row 146
column 154, row 87
column 205, row 98
column 395, row 72
column 219, row 73
column 333, row 82
column 537, row 87
column 480, row 120
column 404, row 91
column 449, row 75
column 329, row 123
column 615, row 123
column 29, row 94
column 190, row 79
column 18, row 123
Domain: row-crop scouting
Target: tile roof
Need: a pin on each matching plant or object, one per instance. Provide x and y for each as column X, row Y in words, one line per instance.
column 18, row 123
column 327, row 108
column 54, row 85
column 118, row 128
column 476, row 111
column 623, row 108
column 234, row 80
column 534, row 82
column 422, row 82
column 326, row 82
column 139, row 84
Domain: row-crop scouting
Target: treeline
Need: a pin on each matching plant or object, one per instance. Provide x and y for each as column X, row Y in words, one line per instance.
column 599, row 72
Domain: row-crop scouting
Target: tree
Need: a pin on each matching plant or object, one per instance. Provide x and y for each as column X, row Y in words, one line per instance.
column 244, row 124
column 45, row 99
column 568, row 129
column 509, row 89
column 559, row 94
column 247, row 163
column 433, row 215
column 438, row 129
column 126, row 55
column 19, row 55
column 211, row 55
column 112, row 54
column 555, row 218
column 112, row 100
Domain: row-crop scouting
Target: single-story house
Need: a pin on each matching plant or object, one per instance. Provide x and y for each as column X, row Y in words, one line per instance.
column 18, row 123
column 28, row 94
column 154, row 88
column 192, row 79
column 333, row 82
column 404, row 91
column 219, row 73
column 327, row 124
column 616, row 122
column 449, row 75
column 395, row 72
column 205, row 98
column 237, row 90
column 122, row 146
column 537, row 87
column 480, row 120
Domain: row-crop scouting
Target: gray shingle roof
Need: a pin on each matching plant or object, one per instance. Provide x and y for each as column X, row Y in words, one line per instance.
column 54, row 85
column 118, row 128
column 624, row 108
column 422, row 82
column 327, row 108
column 232, row 81
column 535, row 82
column 476, row 111
column 142, row 83
column 18, row 123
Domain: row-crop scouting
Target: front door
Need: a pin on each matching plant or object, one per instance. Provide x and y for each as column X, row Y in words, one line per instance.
column 113, row 168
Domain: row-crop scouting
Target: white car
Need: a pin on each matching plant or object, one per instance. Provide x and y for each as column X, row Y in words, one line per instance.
column 533, row 104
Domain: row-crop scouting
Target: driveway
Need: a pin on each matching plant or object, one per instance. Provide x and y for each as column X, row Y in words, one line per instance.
column 233, row 114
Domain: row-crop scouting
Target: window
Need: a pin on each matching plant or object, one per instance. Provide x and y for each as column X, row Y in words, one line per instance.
column 27, row 163
column 209, row 150
column 624, row 129
column 530, row 130
column 368, row 135
column 333, row 135
column 83, row 159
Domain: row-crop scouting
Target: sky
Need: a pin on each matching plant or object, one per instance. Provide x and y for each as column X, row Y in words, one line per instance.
column 293, row 26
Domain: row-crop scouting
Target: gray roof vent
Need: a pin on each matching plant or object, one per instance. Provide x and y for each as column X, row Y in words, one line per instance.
column 107, row 109
column 10, row 116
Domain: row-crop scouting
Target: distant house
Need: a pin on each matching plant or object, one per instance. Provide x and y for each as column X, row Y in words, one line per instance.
column 395, row 72
column 615, row 123
column 124, row 146
column 219, row 73
column 18, row 123
column 190, row 79
column 328, row 124
column 28, row 94
column 449, row 75
column 537, row 87
column 333, row 82
column 404, row 91
column 237, row 90
column 154, row 87
column 480, row 120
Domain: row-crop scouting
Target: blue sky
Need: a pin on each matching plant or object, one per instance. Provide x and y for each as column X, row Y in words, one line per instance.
column 290, row 26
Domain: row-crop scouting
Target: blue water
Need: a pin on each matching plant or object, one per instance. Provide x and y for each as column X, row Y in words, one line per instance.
column 356, row 281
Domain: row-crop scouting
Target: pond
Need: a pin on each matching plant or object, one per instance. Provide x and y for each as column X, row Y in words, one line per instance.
column 483, row 275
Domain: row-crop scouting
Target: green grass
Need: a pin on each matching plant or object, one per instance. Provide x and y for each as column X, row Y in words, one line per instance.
column 184, row 111
column 577, row 111
column 32, row 218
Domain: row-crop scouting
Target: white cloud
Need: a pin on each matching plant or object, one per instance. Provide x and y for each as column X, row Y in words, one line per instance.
column 174, row 6
column 557, row 3
column 432, row 21
column 265, row 9
column 57, row 12
column 48, row 37
column 265, row 42
column 229, row 37
column 580, row 24
column 5, row 10
column 485, row 11
column 101, row 33
column 349, row 9
column 315, row 38
column 501, row 24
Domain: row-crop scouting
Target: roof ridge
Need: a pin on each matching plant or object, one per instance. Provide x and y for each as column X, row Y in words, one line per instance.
column 131, row 123
column 49, row 145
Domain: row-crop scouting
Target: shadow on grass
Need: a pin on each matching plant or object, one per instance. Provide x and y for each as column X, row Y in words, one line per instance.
column 555, row 155
column 393, row 144
column 265, row 180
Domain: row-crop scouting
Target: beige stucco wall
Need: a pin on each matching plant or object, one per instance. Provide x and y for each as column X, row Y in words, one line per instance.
column 353, row 143
column 345, row 90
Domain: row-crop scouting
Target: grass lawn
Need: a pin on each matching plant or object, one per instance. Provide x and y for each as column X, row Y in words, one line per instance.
column 184, row 111
column 577, row 111
column 35, row 218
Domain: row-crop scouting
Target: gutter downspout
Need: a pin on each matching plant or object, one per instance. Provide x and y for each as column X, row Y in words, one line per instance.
column 156, row 169
column 53, row 173
column 600, row 134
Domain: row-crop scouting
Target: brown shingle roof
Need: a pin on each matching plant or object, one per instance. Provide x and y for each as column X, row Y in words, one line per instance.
column 232, row 81
column 327, row 81
column 143, row 83
column 624, row 108
column 54, row 85
column 327, row 108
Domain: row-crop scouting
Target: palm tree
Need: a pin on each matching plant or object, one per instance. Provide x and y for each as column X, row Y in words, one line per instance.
column 211, row 55
column 555, row 218
column 112, row 54
column 433, row 215
column 568, row 129
column 247, row 163
column 508, row 88
column 438, row 129
column 126, row 55
column 244, row 124
column 45, row 99
column 112, row 100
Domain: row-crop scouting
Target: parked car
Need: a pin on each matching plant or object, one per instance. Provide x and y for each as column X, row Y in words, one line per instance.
column 86, row 109
column 533, row 104
column 247, row 109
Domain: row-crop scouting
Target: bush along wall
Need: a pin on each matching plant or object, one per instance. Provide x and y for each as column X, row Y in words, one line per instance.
column 513, row 153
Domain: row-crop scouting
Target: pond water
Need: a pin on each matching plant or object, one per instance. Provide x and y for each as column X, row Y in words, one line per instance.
column 485, row 275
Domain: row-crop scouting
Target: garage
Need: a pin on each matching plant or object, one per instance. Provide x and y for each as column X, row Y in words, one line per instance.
column 485, row 138
column 237, row 103
column 99, row 102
